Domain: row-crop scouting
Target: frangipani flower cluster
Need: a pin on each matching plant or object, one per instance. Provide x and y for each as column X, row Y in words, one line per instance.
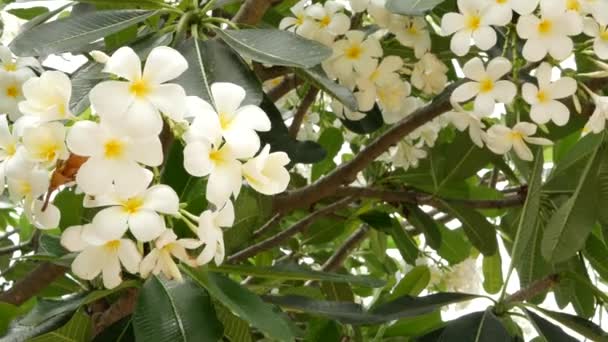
column 117, row 150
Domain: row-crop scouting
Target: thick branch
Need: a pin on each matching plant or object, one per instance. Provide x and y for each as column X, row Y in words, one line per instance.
column 287, row 84
column 298, row 118
column 252, row 11
column 280, row 237
column 32, row 283
column 337, row 259
column 265, row 74
column 120, row 309
column 536, row 288
column 347, row 172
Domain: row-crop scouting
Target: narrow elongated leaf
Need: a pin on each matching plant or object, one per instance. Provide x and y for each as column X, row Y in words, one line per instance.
column 424, row 223
column 372, row 122
column 492, row 273
column 295, row 272
column 244, row 303
column 352, row 313
column 411, row 7
column 275, row 47
column 317, row 76
column 145, row 4
column 174, row 311
column 405, row 244
column 479, row 231
column 548, row 330
column 454, row 246
column 412, row 283
column 213, row 61
column 582, row 326
column 77, row 329
column 476, row 327
column 28, row 13
column 48, row 308
column 236, row 329
column 74, row 32
column 596, row 251
column 569, row 227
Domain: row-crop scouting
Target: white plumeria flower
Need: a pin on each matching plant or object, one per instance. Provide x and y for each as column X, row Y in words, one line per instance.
column 427, row 133
column 329, row 20
column 358, row 6
column 308, row 130
column 504, row 8
column 47, row 98
column 138, row 101
column 543, row 98
column 395, row 102
column 266, row 173
column 412, row 32
column 210, row 233
column 11, row 93
column 374, row 75
column 25, row 179
column 302, row 24
column 22, row 66
column 550, row 33
column 501, row 139
column 597, row 8
column 45, row 143
column 475, row 22
column 99, row 56
column 8, row 148
column 43, row 217
column 228, row 119
column 100, row 255
column 429, row 75
column 353, row 53
column 114, row 156
column 486, row 86
column 344, row 113
column 377, row 10
column 597, row 121
column 160, row 259
column 139, row 212
column 464, row 120
column 406, row 155
column 600, row 33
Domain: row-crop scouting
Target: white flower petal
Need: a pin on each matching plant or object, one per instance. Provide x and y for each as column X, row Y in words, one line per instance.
column 89, row 263
column 227, row 97
column 111, row 98
column 196, row 159
column 164, row 64
column 129, row 255
column 110, row 223
column 71, row 239
column 170, row 99
column 146, row 225
column 111, row 272
column 124, row 63
column 161, row 198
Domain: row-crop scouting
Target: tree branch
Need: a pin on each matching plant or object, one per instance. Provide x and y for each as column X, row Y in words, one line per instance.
column 34, row 282
column 277, row 239
column 11, row 249
column 263, row 229
column 287, row 84
column 120, row 309
column 298, row 117
column 252, row 11
column 347, row 172
column 265, row 74
column 337, row 259
column 536, row 288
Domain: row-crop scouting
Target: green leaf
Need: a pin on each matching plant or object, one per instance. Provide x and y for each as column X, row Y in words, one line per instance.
column 252, row 209
column 46, row 308
column 372, row 122
column 425, row 224
column 476, row 327
column 7, row 313
column 74, row 32
column 213, row 61
column 144, row 4
column 78, row 329
column 415, row 326
column 549, row 331
column 331, row 139
column 28, row 13
column 352, row 313
column 174, row 311
column 70, row 205
column 569, row 227
column 411, row 7
column 245, row 304
column 596, row 251
column 317, row 76
column 582, row 326
column 527, row 227
column 296, row 272
column 51, row 245
column 479, row 231
column 492, row 273
column 275, row 47
column 412, row 284
column 454, row 246
column 235, row 329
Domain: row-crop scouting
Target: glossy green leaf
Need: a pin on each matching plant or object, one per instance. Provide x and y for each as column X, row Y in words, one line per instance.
column 596, row 251
column 174, row 311
column 411, row 7
column 455, row 248
column 317, row 76
column 235, row 329
column 415, row 326
column 548, row 330
column 492, row 273
column 74, row 32
column 480, row 232
column 275, row 47
column 425, row 224
column 28, row 13
column 372, row 122
column 70, row 205
column 476, row 327
column 582, row 326
column 77, row 329
column 47, row 308
column 245, row 304
column 331, row 139
column 144, row 4
column 412, row 284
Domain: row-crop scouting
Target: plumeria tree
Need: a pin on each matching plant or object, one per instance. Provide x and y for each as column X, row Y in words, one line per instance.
column 285, row 170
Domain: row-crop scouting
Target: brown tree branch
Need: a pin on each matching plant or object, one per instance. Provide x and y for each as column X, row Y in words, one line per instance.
column 536, row 288
column 120, row 309
column 288, row 84
column 252, row 11
column 265, row 74
column 280, row 237
column 267, row 226
column 298, row 117
column 34, row 282
column 337, row 259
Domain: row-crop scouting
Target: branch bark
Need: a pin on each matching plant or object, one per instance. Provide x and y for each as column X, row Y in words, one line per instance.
column 280, row 237
column 347, row 172
column 287, row 84
column 298, row 118
column 252, row 11
column 34, row 282
column 536, row 288
column 120, row 309
column 337, row 259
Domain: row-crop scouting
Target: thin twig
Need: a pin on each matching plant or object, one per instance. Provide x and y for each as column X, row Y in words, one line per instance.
column 11, row 249
column 287, row 84
column 298, row 117
column 277, row 239
column 267, row 226
column 336, row 260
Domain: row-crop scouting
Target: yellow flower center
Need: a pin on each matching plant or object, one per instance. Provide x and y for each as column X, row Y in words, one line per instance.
column 25, row 187
column 225, row 120
column 113, row 149
column 216, row 156
column 501, row 1
column 12, row 91
column 515, row 135
column 573, row 5
column 132, row 205
column 10, row 66
column 486, row 85
column 48, row 152
column 542, row 96
column 545, row 26
column 112, row 246
column 412, row 30
column 604, row 34
column 299, row 20
column 374, row 76
column 11, row 149
column 140, row 88
column 473, row 22
column 354, row 52
column 325, row 21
